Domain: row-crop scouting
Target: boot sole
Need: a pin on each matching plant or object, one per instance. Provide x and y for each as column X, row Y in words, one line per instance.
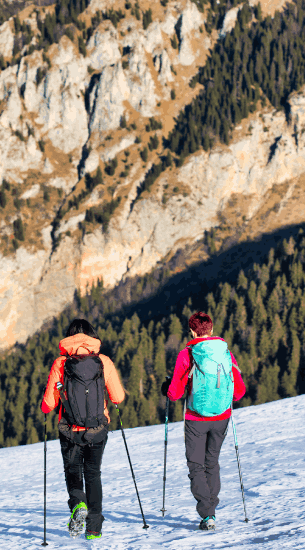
column 77, row 522
column 208, row 528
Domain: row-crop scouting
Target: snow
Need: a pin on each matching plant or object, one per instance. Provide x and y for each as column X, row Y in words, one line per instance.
column 271, row 446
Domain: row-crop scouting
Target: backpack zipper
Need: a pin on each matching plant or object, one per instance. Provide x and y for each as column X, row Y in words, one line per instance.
column 218, row 375
column 87, row 406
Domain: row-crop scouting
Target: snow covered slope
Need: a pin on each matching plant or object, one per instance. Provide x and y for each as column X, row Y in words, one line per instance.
column 271, row 442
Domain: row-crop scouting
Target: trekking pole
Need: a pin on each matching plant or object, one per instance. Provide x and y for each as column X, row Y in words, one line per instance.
column 165, row 452
column 44, row 543
column 239, row 468
column 145, row 526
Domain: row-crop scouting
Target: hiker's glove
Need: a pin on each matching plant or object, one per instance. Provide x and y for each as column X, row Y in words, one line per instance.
column 165, row 386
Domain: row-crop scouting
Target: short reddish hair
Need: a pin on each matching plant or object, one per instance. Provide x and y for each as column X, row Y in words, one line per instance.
column 201, row 323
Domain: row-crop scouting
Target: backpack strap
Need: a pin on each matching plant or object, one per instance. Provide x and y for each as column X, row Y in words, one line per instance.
column 64, row 401
column 193, row 364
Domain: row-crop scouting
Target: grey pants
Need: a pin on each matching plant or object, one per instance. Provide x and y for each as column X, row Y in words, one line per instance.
column 203, row 441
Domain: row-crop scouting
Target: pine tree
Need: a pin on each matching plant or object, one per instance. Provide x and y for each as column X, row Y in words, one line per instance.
column 240, row 315
column 175, row 327
column 264, row 345
column 159, row 360
column 289, row 378
column 273, row 304
column 242, row 281
column 252, row 296
column 276, row 334
column 259, row 313
column 143, row 412
column 268, row 384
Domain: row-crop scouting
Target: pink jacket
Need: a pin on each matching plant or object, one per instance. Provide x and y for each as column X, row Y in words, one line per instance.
column 180, row 380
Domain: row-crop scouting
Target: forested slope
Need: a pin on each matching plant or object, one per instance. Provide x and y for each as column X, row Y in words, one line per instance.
column 261, row 313
column 259, row 61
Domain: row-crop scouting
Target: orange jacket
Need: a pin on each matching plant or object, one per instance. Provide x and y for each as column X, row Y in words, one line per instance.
column 76, row 345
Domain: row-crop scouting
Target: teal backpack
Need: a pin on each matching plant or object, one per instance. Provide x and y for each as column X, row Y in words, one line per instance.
column 213, row 383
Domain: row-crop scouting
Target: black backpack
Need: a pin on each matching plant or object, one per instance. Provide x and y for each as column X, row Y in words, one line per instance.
column 82, row 396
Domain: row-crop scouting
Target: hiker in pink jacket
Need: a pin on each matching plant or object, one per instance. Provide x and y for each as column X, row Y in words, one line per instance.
column 204, row 435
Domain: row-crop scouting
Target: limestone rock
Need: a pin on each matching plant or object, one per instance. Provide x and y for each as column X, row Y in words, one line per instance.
column 71, row 224
column 61, row 110
column 17, row 157
column 153, row 37
column 229, row 21
column 104, row 47
column 96, row 196
column 168, row 25
column 10, row 117
column 32, row 192
column 96, row 5
column 107, row 98
column 110, row 152
column 92, row 162
column 163, row 66
column 6, row 39
column 47, row 167
column 64, row 183
column 141, row 84
column 26, row 80
column 190, row 20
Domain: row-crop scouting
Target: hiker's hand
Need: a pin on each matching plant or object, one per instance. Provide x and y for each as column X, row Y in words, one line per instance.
column 165, row 386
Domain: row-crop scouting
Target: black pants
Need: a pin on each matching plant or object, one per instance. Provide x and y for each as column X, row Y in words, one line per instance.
column 86, row 462
column 203, row 441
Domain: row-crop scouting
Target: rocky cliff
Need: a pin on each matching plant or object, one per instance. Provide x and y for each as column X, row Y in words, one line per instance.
column 65, row 114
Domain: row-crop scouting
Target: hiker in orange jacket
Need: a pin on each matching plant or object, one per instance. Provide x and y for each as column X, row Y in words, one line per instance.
column 82, row 459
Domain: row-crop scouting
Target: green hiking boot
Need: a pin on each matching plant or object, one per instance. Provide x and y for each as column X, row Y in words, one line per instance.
column 77, row 519
column 208, row 524
column 90, row 535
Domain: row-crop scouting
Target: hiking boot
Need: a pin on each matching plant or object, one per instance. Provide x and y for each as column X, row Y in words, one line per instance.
column 208, row 524
column 90, row 535
column 77, row 519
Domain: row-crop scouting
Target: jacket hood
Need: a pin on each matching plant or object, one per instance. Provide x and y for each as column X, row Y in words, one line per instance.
column 78, row 344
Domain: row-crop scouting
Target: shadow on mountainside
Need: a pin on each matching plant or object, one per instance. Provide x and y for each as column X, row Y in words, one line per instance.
column 196, row 281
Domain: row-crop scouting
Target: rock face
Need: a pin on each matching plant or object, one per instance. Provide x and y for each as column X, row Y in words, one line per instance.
column 229, row 21
column 38, row 286
column 191, row 19
column 104, row 47
column 53, row 121
column 107, row 98
column 68, row 105
column 6, row 39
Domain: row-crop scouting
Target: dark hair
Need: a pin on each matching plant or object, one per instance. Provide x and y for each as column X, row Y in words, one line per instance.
column 81, row 326
column 201, row 323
